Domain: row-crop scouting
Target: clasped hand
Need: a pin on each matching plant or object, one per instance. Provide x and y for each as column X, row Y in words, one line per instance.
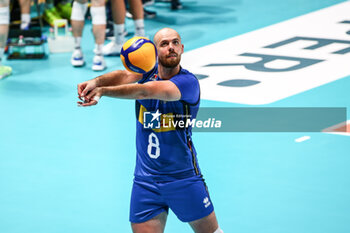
column 88, row 93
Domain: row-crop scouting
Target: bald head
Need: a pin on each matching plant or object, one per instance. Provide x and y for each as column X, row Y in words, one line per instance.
column 165, row 33
column 169, row 48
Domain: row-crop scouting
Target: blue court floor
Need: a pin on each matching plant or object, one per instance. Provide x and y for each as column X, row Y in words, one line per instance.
column 70, row 169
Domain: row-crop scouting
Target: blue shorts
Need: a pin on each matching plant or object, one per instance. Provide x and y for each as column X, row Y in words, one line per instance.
column 187, row 198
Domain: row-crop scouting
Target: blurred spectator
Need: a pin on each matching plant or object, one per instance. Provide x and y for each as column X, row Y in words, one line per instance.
column 25, row 14
column 98, row 16
column 118, row 12
column 4, row 29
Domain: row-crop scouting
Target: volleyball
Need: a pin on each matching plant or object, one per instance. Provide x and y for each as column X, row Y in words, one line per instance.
column 139, row 55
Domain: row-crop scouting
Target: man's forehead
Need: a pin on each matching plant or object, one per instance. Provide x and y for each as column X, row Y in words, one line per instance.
column 166, row 35
column 169, row 38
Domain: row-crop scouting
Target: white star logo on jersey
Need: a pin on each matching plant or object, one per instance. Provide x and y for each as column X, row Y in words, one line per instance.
column 156, row 115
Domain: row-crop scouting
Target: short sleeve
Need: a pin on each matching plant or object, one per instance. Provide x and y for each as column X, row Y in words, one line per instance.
column 189, row 87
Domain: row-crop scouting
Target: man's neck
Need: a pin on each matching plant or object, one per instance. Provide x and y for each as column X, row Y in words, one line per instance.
column 168, row 73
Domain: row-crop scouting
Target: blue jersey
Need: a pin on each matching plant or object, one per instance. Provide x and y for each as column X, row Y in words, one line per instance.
column 167, row 153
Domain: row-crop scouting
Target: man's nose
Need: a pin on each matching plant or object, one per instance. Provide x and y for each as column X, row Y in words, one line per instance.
column 171, row 47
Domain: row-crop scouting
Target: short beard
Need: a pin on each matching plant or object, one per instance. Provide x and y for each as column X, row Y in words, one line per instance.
column 171, row 63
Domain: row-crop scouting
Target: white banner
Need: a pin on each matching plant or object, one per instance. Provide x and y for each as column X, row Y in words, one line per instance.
column 275, row 62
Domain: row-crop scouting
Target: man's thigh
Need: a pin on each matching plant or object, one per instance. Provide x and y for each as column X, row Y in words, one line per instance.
column 208, row 224
column 146, row 202
column 188, row 198
column 154, row 225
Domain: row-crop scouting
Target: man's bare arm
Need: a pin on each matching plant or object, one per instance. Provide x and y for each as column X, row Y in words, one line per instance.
column 162, row 90
column 114, row 78
column 117, row 77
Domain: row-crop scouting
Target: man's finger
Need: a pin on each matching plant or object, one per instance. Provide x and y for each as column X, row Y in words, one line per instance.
column 96, row 98
column 89, row 103
column 80, row 88
column 85, row 93
column 90, row 95
column 81, row 98
column 81, row 104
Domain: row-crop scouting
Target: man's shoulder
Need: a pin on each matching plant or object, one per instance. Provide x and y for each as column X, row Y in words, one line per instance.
column 186, row 74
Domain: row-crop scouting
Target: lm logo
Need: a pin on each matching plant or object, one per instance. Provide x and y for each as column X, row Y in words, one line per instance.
column 151, row 120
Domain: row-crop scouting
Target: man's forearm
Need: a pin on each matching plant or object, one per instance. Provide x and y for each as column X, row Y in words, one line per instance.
column 127, row 91
column 161, row 90
column 115, row 78
column 109, row 79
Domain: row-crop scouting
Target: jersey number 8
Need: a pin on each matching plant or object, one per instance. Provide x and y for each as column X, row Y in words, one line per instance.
column 153, row 142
